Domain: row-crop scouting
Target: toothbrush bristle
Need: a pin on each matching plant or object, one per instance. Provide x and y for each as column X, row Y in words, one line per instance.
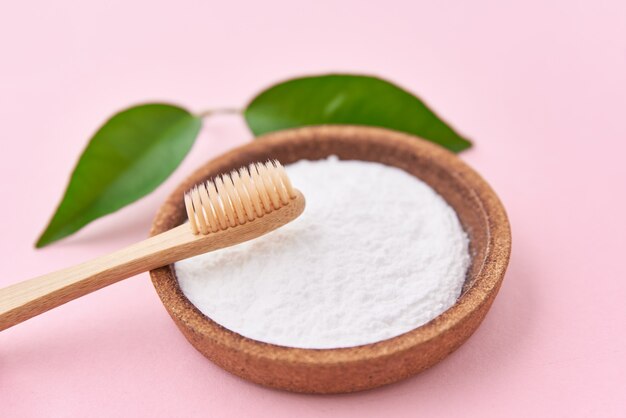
column 238, row 197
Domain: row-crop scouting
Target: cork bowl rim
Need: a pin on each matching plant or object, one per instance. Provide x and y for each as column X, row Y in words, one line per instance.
column 485, row 282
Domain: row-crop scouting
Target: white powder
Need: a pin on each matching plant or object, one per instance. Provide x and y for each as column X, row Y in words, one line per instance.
column 375, row 254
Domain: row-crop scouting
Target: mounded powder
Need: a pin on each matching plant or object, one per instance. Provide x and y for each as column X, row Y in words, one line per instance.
column 375, row 254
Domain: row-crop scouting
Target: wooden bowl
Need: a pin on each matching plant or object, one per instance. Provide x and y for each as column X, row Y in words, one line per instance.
column 371, row 365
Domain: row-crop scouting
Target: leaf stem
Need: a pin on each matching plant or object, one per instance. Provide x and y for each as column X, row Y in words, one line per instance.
column 220, row 111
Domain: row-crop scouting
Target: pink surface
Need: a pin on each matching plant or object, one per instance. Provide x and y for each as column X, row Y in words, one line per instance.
column 540, row 87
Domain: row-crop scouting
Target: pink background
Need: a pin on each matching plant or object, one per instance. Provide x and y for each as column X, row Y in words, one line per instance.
column 540, row 86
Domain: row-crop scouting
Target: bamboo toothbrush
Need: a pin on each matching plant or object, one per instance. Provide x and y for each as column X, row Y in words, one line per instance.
column 231, row 209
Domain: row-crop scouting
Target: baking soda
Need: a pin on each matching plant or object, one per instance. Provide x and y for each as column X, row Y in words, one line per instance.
column 375, row 254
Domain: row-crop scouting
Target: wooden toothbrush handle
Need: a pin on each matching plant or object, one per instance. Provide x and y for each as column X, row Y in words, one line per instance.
column 29, row 298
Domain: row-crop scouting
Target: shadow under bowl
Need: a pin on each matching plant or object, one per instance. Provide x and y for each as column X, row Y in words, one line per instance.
column 371, row 365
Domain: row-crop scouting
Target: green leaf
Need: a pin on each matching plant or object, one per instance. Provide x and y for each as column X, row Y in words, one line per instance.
column 129, row 156
column 348, row 99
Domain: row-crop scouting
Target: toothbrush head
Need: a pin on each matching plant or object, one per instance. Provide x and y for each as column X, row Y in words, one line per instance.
column 238, row 197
